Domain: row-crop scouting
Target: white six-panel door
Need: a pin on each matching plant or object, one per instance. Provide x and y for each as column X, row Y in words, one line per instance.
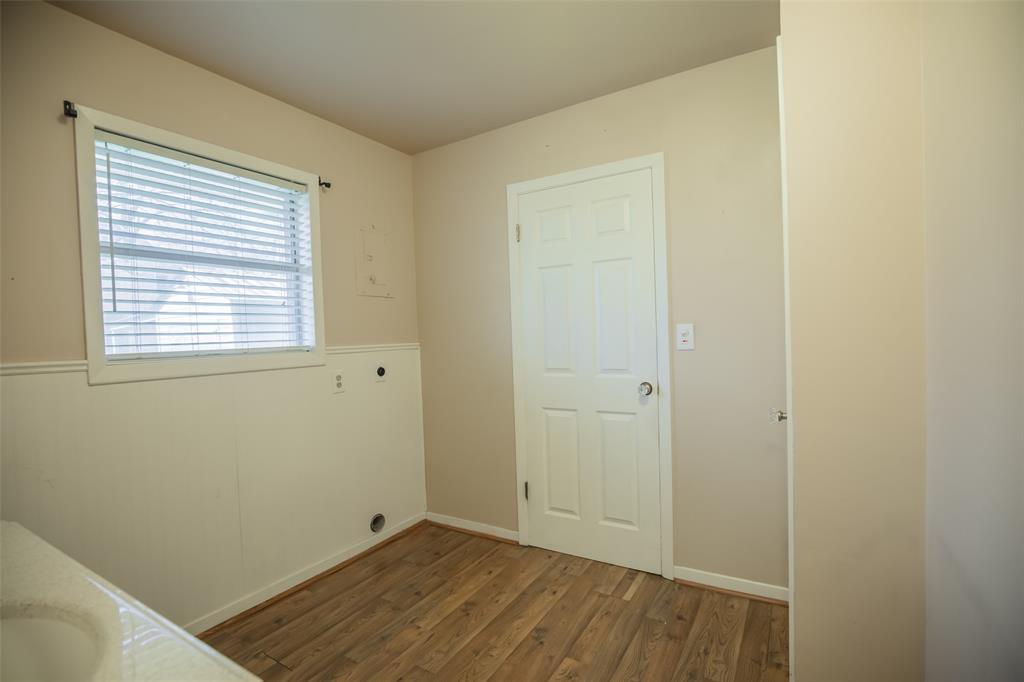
column 586, row 342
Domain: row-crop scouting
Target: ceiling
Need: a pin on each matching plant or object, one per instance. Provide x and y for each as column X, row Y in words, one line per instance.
column 417, row 75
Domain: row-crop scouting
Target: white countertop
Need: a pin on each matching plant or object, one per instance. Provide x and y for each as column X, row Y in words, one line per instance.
column 134, row 642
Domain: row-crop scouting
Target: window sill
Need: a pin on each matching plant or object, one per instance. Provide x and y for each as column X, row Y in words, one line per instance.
column 103, row 372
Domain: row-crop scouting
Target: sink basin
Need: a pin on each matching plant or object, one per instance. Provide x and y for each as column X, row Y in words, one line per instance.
column 61, row 621
column 45, row 646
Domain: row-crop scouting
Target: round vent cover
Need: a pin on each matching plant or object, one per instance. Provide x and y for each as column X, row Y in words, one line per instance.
column 377, row 523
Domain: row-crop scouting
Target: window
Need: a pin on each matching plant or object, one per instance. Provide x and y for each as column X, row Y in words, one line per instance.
column 197, row 259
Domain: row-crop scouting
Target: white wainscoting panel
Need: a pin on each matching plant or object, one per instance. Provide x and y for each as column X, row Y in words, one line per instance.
column 203, row 496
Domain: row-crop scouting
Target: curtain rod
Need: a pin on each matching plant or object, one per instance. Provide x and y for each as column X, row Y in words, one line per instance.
column 71, row 112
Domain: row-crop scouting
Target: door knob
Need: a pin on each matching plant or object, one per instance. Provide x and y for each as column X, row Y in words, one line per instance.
column 646, row 388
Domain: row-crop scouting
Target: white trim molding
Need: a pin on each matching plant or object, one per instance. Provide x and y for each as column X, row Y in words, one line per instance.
column 372, row 348
column 9, row 369
column 13, row 369
column 791, row 420
column 728, row 582
column 277, row 587
column 656, row 164
column 474, row 526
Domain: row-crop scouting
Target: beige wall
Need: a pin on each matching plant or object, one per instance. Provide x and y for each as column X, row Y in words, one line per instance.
column 188, row 492
column 852, row 93
column 50, row 55
column 973, row 65
column 718, row 128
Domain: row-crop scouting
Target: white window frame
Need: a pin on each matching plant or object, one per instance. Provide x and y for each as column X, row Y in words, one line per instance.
column 107, row 371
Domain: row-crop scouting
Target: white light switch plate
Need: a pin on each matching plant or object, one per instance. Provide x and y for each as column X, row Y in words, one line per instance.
column 684, row 336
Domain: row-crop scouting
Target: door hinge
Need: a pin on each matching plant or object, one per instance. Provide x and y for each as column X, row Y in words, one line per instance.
column 519, row 232
column 526, row 489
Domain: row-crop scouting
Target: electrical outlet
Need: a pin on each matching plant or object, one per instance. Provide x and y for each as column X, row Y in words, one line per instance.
column 337, row 382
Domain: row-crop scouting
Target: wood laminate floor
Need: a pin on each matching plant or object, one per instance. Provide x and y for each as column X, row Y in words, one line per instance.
column 438, row 604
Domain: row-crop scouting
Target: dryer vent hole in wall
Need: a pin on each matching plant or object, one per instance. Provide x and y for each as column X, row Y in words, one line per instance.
column 377, row 523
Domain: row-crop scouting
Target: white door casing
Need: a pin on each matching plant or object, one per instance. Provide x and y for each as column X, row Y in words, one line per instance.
column 589, row 309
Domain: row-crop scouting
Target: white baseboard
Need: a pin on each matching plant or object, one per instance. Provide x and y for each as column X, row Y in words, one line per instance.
column 454, row 521
column 727, row 582
column 277, row 587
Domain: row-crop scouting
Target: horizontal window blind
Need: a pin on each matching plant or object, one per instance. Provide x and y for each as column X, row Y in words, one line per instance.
column 199, row 257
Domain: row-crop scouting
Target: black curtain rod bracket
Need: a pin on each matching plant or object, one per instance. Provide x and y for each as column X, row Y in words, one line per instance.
column 69, row 109
column 326, row 184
